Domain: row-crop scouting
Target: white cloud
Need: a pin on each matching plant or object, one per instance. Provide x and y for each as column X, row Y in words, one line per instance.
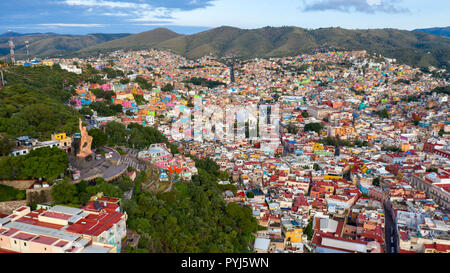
column 72, row 25
column 374, row 2
column 140, row 12
column 157, row 14
column 106, row 4
column 119, row 14
column 364, row 6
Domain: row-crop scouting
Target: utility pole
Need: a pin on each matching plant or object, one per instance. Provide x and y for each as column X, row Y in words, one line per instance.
column 2, row 83
column 11, row 48
column 27, row 43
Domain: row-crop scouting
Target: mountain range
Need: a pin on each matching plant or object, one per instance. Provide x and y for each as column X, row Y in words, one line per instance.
column 415, row 48
column 441, row 31
column 52, row 44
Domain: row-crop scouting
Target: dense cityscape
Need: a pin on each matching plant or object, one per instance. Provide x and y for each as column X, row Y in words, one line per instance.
column 147, row 151
column 224, row 135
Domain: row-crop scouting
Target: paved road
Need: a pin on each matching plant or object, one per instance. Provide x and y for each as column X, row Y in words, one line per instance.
column 132, row 162
column 129, row 194
column 391, row 233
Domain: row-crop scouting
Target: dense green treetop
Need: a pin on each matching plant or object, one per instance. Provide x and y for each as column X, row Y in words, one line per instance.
column 316, row 127
column 99, row 137
column 33, row 102
column 48, row 163
column 191, row 218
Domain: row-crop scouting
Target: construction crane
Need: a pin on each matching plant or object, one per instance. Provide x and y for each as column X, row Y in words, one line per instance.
column 11, row 47
column 27, row 43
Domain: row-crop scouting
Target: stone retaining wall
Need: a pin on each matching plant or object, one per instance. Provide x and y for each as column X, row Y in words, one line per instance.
column 9, row 206
column 35, row 192
column 18, row 184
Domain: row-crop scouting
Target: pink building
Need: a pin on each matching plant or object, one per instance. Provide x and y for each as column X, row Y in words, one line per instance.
column 106, row 87
column 97, row 228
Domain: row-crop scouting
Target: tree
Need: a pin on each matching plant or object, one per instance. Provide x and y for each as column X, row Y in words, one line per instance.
column 125, row 81
column 107, row 189
column 193, row 217
column 239, row 214
column 309, row 230
column 99, row 93
column 143, row 83
column 167, row 88
column 6, row 145
column 376, row 181
column 391, row 149
column 9, row 194
column 10, row 167
column 86, row 111
column 105, row 109
column 316, row 127
column 205, row 82
column 139, row 99
column 316, row 167
column 34, row 103
column 116, row 133
column 45, row 162
column 292, row 129
column 130, row 206
column 99, row 137
column 125, row 184
column 383, row 113
column 305, row 114
column 231, row 187
column 442, row 90
column 64, row 193
column 250, row 194
column 113, row 73
column 137, row 139
column 190, row 103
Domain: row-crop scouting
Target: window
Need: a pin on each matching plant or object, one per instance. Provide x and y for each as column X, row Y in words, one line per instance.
column 25, row 244
column 15, row 242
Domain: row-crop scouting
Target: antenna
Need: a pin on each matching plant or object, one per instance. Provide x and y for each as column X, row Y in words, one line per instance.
column 2, row 83
column 27, row 43
column 11, row 47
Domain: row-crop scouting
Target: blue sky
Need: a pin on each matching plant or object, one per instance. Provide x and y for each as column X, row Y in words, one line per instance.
column 191, row 16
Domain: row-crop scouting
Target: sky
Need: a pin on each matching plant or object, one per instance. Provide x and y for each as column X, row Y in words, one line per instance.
column 192, row 16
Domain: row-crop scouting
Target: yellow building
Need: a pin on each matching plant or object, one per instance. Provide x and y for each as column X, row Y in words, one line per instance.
column 317, row 147
column 123, row 95
column 436, row 248
column 332, row 177
column 294, row 235
column 405, row 147
column 48, row 63
column 63, row 139
column 342, row 131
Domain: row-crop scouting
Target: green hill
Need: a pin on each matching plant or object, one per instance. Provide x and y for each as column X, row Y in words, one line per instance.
column 51, row 44
column 411, row 47
column 34, row 102
column 441, row 31
column 146, row 39
column 414, row 48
